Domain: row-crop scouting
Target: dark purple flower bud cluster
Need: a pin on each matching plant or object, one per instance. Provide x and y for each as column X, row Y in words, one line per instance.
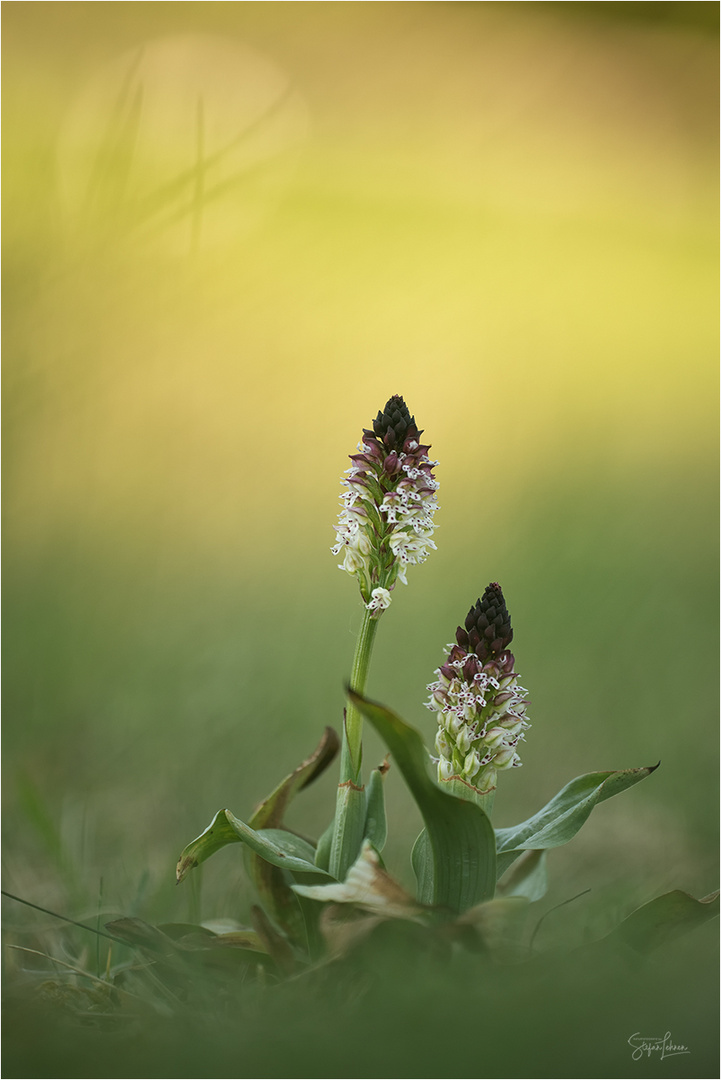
column 488, row 628
column 394, row 425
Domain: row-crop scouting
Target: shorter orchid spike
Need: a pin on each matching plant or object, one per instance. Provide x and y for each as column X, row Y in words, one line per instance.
column 480, row 706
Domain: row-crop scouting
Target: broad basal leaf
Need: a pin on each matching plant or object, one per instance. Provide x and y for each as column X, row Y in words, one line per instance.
column 268, row 878
column 461, row 842
column 665, row 918
column 268, row 856
column 275, row 846
column 564, row 815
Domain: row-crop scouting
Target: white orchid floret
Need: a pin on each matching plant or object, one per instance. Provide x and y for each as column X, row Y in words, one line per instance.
column 494, row 736
column 443, row 745
column 453, row 722
column 464, row 739
column 472, row 764
column 445, row 769
column 380, row 600
column 412, row 548
column 489, row 779
column 352, row 561
column 506, row 758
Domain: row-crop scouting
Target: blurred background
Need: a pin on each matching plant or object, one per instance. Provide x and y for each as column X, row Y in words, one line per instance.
column 232, row 231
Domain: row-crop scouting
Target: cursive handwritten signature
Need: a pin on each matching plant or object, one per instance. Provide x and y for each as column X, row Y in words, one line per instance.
column 655, row 1044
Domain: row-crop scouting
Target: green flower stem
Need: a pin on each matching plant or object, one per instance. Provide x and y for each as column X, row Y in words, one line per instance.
column 352, row 751
column 350, row 811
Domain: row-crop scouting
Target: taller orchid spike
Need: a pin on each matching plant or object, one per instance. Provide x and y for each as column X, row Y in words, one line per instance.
column 386, row 523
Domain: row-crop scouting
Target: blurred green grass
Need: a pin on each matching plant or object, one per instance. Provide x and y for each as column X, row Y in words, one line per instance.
column 502, row 213
column 561, row 1017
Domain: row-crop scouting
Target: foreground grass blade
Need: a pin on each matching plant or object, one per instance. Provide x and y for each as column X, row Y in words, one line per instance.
column 143, row 935
column 173, row 946
column 461, row 842
column 559, row 821
column 664, row 918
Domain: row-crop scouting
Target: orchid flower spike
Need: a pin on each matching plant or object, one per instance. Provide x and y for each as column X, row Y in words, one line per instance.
column 480, row 706
column 386, row 522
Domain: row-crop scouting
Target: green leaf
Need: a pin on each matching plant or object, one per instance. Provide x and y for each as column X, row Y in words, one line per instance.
column 217, row 835
column 290, row 843
column 227, row 829
column 460, row 835
column 278, row 851
column 664, row 918
column 267, row 876
column 297, row 916
column 559, row 821
column 422, row 863
column 350, row 817
column 376, row 828
column 422, row 853
column 271, row 882
column 528, row 878
column 322, row 852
